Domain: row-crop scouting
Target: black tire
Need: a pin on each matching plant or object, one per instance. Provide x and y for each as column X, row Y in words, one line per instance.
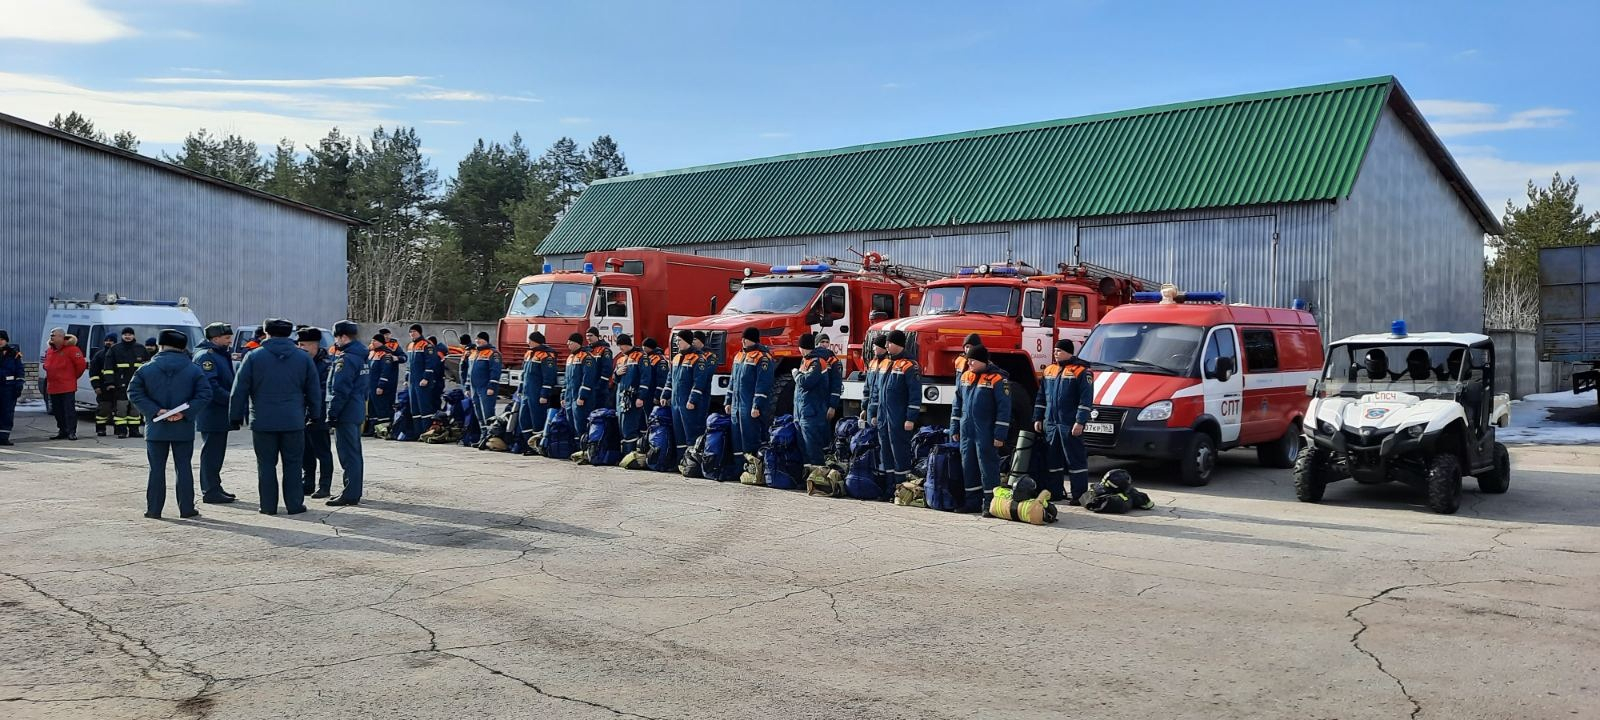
column 1021, row 415
column 1199, row 459
column 1309, row 475
column 1444, row 484
column 783, row 394
column 1498, row 480
column 1284, row 452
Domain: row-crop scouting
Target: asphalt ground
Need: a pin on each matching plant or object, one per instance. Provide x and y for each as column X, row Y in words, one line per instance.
column 482, row 585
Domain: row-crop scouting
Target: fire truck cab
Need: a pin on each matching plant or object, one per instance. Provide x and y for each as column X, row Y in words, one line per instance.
column 1182, row 376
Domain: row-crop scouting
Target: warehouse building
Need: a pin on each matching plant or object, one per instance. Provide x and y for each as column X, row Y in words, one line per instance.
column 1340, row 195
column 78, row 218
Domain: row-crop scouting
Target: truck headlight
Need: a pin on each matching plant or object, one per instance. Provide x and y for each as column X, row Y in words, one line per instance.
column 1156, row 411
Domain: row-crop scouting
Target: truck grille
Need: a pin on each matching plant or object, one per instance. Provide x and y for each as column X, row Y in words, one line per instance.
column 1105, row 414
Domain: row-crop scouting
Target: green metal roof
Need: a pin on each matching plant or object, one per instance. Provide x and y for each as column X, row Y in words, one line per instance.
column 1294, row 145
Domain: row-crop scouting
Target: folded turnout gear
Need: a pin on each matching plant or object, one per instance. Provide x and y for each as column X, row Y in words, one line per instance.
column 824, row 479
column 1114, row 494
column 1036, row 511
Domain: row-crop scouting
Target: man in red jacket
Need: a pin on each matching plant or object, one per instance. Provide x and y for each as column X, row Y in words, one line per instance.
column 63, row 364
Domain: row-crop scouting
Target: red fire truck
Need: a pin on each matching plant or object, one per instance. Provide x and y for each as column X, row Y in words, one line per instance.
column 639, row 291
column 820, row 297
column 1019, row 313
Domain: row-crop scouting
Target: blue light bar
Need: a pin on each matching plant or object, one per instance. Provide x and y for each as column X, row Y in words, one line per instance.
column 818, row 267
column 548, row 268
column 1004, row 270
column 966, row 270
column 588, row 267
column 1298, row 304
column 1398, row 328
column 1146, row 297
column 1203, row 297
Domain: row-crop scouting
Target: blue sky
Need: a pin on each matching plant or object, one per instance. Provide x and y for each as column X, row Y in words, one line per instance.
column 1510, row 86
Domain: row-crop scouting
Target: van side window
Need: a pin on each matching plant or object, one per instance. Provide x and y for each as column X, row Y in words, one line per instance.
column 1221, row 346
column 883, row 304
column 1260, row 349
column 1075, row 309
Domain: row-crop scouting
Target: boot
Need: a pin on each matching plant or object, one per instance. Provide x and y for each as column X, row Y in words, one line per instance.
column 987, row 500
column 134, row 432
column 100, row 429
column 122, row 432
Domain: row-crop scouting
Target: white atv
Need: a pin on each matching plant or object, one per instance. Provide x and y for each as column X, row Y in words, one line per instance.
column 1418, row 409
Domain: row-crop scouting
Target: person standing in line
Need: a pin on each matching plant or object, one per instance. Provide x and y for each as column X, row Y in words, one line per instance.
column 164, row 385
column 278, row 387
column 383, row 374
column 1066, row 395
column 211, row 419
column 655, row 379
column 980, row 420
column 875, row 365
column 63, row 364
column 681, row 395
column 99, row 376
column 318, row 446
column 604, row 388
column 578, row 394
column 12, row 380
column 632, row 387
column 124, row 358
column 818, row 386
column 749, row 395
column 422, row 376
column 899, row 406
column 347, row 406
column 483, row 378
column 538, row 389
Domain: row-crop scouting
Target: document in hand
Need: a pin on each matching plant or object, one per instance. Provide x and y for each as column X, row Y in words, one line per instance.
column 170, row 413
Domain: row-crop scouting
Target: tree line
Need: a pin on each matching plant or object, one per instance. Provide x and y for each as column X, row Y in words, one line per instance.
column 451, row 249
column 1552, row 217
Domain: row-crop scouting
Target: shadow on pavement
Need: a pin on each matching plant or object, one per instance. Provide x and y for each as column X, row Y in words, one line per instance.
column 478, row 518
column 289, row 537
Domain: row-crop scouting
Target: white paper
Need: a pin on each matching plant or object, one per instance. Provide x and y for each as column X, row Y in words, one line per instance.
column 170, row 413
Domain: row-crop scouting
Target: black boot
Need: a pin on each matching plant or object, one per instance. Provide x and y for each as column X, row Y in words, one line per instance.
column 122, row 432
column 134, row 432
column 987, row 500
column 100, row 429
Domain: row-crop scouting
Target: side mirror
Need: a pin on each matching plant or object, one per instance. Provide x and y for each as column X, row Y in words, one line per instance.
column 1222, row 368
column 1048, row 319
column 1311, row 388
column 713, row 305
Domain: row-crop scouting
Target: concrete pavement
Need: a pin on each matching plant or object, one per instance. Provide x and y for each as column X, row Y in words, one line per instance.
column 482, row 585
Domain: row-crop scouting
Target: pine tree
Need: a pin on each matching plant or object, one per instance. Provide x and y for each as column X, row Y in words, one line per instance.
column 327, row 173
column 605, row 160
column 1553, row 217
column 77, row 125
column 231, row 158
column 283, row 172
column 125, row 140
column 489, row 182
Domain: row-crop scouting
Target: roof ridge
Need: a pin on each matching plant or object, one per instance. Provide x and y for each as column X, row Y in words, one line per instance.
column 1018, row 128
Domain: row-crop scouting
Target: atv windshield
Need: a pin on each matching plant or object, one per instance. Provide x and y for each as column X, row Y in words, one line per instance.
column 978, row 299
column 771, row 300
column 1426, row 371
column 551, row 299
column 1144, row 347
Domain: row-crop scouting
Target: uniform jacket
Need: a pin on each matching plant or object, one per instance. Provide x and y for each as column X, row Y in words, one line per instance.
column 278, row 386
column 539, row 374
column 876, row 368
column 485, row 368
column 347, row 385
column 383, row 371
column 656, row 377
column 11, row 369
column 580, row 379
column 324, row 364
column 751, row 384
column 1065, row 397
column 424, row 362
column 99, row 372
column 63, row 366
column 631, row 374
column 705, row 367
column 900, row 389
column 123, row 358
column 820, row 383
column 983, row 404
column 679, row 387
column 601, row 352
column 163, row 384
column 217, row 365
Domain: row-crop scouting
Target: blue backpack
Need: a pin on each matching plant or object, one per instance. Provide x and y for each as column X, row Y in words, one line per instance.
column 602, row 444
column 945, row 486
column 861, row 481
column 927, row 438
column 559, row 441
column 782, row 458
column 716, row 454
column 658, row 441
column 843, row 430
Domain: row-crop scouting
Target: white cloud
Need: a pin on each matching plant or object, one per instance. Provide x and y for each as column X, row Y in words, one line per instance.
column 890, row 86
column 576, row 120
column 444, row 122
column 373, row 82
column 432, row 93
column 1499, row 179
column 1454, row 108
column 774, row 135
column 1454, row 118
column 61, row 21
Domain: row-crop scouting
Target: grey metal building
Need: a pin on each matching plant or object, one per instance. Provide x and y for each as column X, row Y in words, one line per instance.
column 1337, row 194
column 78, row 218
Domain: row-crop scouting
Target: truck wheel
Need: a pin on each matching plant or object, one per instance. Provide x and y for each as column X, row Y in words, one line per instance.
column 1199, row 459
column 1283, row 452
column 1444, row 484
column 1309, row 478
column 783, row 395
column 1498, row 480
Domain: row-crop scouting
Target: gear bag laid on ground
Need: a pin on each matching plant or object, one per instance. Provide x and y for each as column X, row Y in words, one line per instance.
column 559, row 440
column 716, row 456
column 400, row 425
column 1114, row 494
column 658, row 441
column 922, row 445
column 381, row 431
column 862, row 482
column 824, row 480
column 755, row 467
column 441, row 433
column 910, row 494
column 838, row 453
column 945, row 486
column 602, row 443
column 1034, row 511
column 782, row 456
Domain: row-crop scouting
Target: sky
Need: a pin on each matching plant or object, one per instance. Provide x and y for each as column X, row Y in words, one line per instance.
column 1508, row 86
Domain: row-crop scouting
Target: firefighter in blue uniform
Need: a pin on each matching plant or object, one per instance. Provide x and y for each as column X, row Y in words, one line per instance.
column 750, row 393
column 538, row 388
column 683, row 396
column 215, row 360
column 605, row 388
column 1066, row 396
column 633, row 387
column 873, row 375
column 705, row 372
column 578, row 394
column 158, row 387
column 899, row 404
column 346, row 401
column 317, row 481
column 11, row 382
column 484, row 375
column 657, row 369
column 980, row 420
column 423, row 377
column 383, row 375
column 818, row 385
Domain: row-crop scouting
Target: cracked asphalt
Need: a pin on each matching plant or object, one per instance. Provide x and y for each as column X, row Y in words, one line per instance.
column 481, row 585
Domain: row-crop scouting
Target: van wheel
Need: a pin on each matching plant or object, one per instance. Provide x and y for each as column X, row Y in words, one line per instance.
column 1309, row 482
column 1283, row 452
column 1199, row 460
column 1498, row 480
column 1444, row 484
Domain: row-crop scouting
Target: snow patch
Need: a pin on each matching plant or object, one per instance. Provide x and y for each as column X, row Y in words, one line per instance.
column 1559, row 418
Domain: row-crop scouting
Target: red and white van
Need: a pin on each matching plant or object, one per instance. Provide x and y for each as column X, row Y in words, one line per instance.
column 1186, row 377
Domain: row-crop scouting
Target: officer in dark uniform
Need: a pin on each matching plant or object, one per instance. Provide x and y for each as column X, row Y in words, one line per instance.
column 705, row 373
column 818, row 385
column 125, row 358
column 972, row 341
column 318, row 448
column 750, row 393
column 12, row 380
column 538, row 388
column 278, row 386
column 383, row 375
column 1066, row 395
column 605, row 388
column 423, row 378
column 980, row 420
column 633, row 384
column 875, row 366
column 168, row 383
column 483, row 376
column 899, row 405
column 682, row 393
column 215, row 362
column 346, row 399
column 658, row 372
column 578, row 395
column 99, row 377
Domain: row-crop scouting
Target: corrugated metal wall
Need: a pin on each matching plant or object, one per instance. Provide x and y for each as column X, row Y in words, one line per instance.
column 75, row 221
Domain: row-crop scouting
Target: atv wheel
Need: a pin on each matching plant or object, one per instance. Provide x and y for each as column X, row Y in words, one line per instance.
column 1444, row 484
column 1498, row 480
column 1198, row 461
column 1283, row 452
column 1309, row 474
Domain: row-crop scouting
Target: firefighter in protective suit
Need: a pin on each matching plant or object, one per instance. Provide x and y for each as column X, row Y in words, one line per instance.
column 683, row 394
column 980, row 420
column 124, row 359
column 818, row 385
column 750, row 394
column 538, row 388
column 899, row 404
column 1066, row 396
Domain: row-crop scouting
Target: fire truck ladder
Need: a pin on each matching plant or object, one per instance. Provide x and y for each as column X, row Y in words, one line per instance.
column 888, row 269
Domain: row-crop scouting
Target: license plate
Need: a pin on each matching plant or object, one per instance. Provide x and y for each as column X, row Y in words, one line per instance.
column 1100, row 428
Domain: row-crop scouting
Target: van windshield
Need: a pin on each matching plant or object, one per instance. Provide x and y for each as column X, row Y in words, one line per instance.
column 1144, row 347
column 550, row 299
column 771, row 300
column 142, row 333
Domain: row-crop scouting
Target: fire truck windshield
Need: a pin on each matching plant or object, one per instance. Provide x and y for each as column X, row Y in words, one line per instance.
column 981, row 299
column 550, row 299
column 1144, row 347
column 771, row 300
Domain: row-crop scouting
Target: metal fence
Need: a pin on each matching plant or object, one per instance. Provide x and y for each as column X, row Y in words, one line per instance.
column 1518, row 370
